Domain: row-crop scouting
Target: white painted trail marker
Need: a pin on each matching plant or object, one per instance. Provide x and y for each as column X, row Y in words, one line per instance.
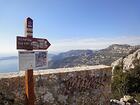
column 32, row 60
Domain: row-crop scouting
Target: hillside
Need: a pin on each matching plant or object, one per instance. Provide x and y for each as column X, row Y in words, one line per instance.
column 126, row 76
column 89, row 57
column 77, row 57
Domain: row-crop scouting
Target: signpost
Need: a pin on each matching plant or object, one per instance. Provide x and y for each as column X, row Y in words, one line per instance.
column 34, row 43
column 29, row 59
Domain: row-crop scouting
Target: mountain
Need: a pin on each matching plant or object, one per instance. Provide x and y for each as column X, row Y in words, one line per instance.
column 128, row 62
column 89, row 57
column 72, row 53
column 71, row 58
column 77, row 57
column 50, row 56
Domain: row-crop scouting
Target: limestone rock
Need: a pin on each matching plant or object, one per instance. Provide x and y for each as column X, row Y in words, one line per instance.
column 128, row 62
column 126, row 100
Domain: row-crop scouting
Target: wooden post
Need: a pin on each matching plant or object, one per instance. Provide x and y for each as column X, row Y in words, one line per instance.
column 29, row 87
column 29, row 80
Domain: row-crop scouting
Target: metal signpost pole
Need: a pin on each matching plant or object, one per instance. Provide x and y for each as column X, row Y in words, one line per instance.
column 29, row 80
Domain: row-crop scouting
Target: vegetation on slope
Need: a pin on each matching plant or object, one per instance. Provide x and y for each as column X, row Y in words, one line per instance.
column 126, row 83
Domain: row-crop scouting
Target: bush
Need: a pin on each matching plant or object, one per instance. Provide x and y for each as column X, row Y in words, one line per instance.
column 133, row 82
column 127, row 83
column 118, row 83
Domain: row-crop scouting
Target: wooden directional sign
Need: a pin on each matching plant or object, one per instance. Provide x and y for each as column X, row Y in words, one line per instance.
column 30, row 43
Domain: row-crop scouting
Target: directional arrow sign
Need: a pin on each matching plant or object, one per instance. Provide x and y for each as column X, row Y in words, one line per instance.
column 30, row 43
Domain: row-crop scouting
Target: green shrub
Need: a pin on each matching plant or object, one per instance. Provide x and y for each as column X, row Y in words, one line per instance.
column 127, row 83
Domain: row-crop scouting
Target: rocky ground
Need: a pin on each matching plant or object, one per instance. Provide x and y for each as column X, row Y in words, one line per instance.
column 126, row 100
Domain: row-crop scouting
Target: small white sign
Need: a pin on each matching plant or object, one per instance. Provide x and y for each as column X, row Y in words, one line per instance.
column 32, row 60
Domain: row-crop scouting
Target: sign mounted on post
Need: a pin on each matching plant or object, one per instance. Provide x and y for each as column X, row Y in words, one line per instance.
column 32, row 43
column 26, row 60
column 32, row 60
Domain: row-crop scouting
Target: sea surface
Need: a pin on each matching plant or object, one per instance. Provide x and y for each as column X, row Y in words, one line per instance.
column 9, row 65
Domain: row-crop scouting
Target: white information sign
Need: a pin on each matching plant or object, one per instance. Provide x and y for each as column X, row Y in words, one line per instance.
column 32, row 60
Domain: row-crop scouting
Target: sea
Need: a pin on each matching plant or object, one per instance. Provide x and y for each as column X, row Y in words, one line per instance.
column 9, row 65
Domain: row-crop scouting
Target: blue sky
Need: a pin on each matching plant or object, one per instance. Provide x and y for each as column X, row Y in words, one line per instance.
column 71, row 24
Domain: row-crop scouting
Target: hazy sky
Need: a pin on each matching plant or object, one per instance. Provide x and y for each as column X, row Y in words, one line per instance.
column 71, row 24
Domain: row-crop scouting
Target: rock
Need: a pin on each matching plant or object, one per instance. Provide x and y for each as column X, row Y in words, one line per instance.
column 129, row 62
column 126, row 100
column 49, row 97
column 118, row 63
column 116, row 102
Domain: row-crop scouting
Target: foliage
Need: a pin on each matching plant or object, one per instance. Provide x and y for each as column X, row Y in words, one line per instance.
column 118, row 83
column 126, row 83
column 133, row 82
